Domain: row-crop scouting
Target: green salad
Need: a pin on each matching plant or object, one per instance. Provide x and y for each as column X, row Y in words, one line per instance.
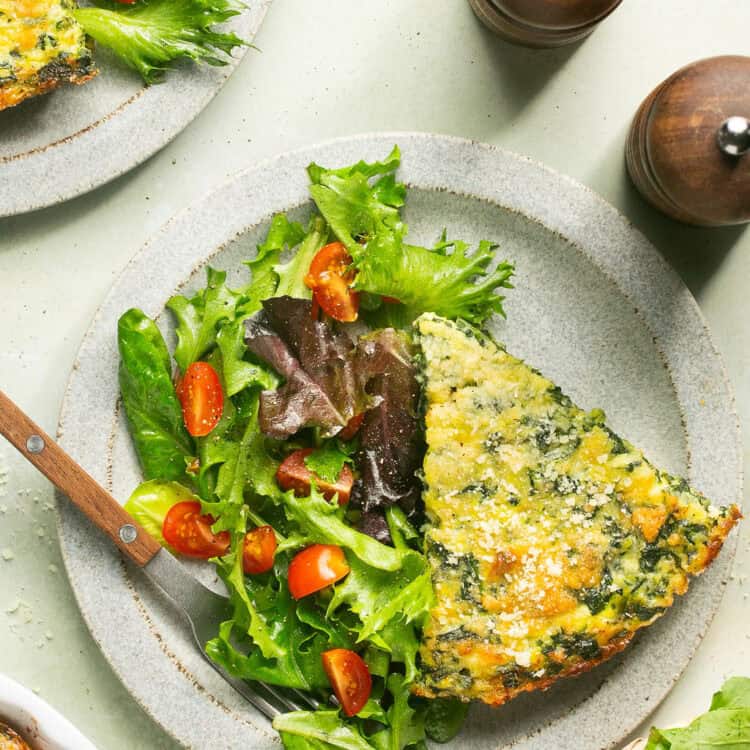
column 282, row 440
column 725, row 725
column 150, row 35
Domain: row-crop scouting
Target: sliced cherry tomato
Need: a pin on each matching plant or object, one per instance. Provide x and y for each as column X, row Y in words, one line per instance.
column 259, row 550
column 201, row 397
column 349, row 677
column 190, row 533
column 315, row 568
column 330, row 278
column 294, row 475
column 352, row 427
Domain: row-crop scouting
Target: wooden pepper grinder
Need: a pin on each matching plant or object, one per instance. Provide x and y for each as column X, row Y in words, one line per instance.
column 687, row 147
column 542, row 23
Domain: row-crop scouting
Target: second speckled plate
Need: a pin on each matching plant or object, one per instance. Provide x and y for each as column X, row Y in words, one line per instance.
column 595, row 307
column 61, row 145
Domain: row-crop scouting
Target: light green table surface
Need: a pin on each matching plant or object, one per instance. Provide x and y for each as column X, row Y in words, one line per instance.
column 326, row 69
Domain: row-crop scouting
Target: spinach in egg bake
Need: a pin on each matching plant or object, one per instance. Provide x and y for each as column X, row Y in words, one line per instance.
column 551, row 540
column 41, row 47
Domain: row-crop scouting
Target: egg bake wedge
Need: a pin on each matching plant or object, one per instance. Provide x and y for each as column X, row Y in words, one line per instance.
column 551, row 540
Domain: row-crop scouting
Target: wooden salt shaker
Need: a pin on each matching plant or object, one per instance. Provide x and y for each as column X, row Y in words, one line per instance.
column 687, row 147
column 543, row 23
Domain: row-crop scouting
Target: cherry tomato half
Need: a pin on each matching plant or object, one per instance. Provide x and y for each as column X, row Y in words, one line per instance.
column 352, row 427
column 349, row 677
column 201, row 397
column 294, row 475
column 315, row 568
column 330, row 278
column 190, row 533
column 259, row 550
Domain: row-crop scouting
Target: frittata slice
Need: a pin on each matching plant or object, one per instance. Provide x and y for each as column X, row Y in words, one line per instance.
column 551, row 540
column 41, row 47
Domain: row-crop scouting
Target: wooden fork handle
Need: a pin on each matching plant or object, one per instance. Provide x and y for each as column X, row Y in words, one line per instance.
column 95, row 502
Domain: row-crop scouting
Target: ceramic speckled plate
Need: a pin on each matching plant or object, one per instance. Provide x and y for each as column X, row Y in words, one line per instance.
column 595, row 307
column 59, row 146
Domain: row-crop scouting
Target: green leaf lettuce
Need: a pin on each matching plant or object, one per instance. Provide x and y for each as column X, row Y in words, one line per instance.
column 446, row 280
column 361, row 204
column 328, row 461
column 149, row 35
column 154, row 413
column 198, row 317
column 726, row 726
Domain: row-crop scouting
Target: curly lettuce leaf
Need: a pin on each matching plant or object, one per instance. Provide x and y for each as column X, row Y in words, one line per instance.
column 234, row 462
column 198, row 317
column 282, row 235
column 405, row 722
column 246, row 619
column 299, row 629
column 445, row 280
column 149, row 35
column 401, row 531
column 291, row 274
column 328, row 461
column 381, row 597
column 319, row 729
column 400, row 727
column 239, row 454
column 323, row 522
column 271, row 277
column 355, row 208
column 362, row 206
column 154, row 413
column 239, row 372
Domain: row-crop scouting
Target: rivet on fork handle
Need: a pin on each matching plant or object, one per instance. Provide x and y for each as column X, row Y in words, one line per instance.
column 128, row 533
column 35, row 444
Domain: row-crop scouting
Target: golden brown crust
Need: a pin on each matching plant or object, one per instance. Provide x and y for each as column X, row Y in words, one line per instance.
column 502, row 694
column 719, row 534
column 42, row 46
column 10, row 96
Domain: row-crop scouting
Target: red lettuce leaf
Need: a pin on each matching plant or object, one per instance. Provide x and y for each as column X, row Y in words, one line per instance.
column 316, row 359
column 391, row 445
column 327, row 381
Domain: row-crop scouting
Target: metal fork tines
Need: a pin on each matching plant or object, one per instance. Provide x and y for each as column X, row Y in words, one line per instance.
column 205, row 610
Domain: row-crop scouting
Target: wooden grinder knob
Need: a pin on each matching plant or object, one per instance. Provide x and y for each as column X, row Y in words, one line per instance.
column 688, row 150
column 543, row 23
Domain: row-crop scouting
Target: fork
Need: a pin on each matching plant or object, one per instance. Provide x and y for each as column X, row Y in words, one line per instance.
column 202, row 608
